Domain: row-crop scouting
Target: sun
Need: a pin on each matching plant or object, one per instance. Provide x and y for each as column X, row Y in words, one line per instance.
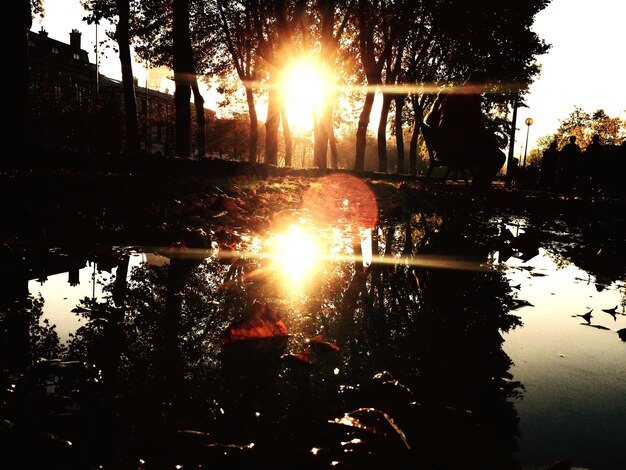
column 305, row 83
column 296, row 254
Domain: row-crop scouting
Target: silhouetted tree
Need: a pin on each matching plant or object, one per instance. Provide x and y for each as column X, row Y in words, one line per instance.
column 22, row 82
column 242, row 45
column 122, row 35
column 329, row 44
column 182, row 60
column 154, row 34
column 109, row 9
column 582, row 125
column 377, row 31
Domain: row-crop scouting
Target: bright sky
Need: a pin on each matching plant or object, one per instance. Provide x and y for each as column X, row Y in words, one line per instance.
column 583, row 68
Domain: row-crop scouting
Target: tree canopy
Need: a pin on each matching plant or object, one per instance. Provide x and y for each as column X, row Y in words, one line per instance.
column 583, row 125
column 404, row 49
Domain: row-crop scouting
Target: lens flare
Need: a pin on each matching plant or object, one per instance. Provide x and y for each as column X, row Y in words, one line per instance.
column 296, row 255
column 305, row 83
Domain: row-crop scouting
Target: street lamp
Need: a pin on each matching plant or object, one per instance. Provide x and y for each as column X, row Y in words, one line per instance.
column 528, row 122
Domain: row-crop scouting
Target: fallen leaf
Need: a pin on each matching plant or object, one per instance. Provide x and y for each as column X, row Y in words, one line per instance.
column 321, row 346
column 261, row 323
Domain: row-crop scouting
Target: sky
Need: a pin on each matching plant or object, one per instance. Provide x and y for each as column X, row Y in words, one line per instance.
column 584, row 67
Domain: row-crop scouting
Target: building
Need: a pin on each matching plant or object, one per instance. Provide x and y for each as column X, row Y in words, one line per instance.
column 72, row 111
column 63, row 90
column 155, row 119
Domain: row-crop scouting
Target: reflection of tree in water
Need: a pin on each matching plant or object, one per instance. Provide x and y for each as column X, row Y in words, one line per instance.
column 160, row 351
column 586, row 234
column 442, row 340
column 25, row 336
column 461, row 361
column 168, row 331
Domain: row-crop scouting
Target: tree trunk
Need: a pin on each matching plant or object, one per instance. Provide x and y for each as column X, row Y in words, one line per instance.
column 361, row 131
column 418, row 113
column 413, row 150
column 122, row 36
column 334, row 161
column 320, row 145
column 22, row 82
column 121, row 285
column 183, row 70
column 287, row 135
column 327, row 55
column 170, row 361
column 254, row 126
column 200, row 118
column 271, row 126
column 400, row 167
column 382, row 133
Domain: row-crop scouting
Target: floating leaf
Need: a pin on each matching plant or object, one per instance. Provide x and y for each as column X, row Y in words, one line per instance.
column 261, row 323
column 80, row 310
column 519, row 303
column 320, row 346
column 303, row 358
column 585, row 316
column 611, row 311
column 599, row 327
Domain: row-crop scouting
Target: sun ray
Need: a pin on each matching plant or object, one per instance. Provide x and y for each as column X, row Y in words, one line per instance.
column 305, row 83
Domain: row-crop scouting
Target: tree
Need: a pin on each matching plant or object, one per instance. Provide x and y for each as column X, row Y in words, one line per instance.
column 182, row 60
column 276, row 23
column 454, row 39
column 375, row 40
column 329, row 45
column 582, row 125
column 236, row 25
column 154, row 34
column 22, row 76
column 495, row 37
column 612, row 130
column 381, row 43
column 393, row 68
column 122, row 35
column 120, row 9
column 20, row 79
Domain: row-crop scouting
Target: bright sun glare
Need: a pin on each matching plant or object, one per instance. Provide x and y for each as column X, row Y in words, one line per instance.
column 296, row 254
column 305, row 82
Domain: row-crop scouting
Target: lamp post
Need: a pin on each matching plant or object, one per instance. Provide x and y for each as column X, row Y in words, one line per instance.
column 528, row 122
column 510, row 166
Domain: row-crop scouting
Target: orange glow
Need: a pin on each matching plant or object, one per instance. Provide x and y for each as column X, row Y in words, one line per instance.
column 296, row 256
column 305, row 83
column 341, row 200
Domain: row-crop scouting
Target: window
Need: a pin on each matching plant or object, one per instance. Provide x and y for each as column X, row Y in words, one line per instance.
column 55, row 50
column 76, row 56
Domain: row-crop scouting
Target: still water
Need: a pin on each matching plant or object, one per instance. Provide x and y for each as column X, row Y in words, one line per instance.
column 481, row 349
column 574, row 372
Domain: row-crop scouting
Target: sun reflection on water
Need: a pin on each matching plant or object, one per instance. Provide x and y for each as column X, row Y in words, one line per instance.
column 296, row 255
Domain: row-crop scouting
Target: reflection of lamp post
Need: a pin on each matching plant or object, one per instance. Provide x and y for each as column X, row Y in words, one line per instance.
column 528, row 122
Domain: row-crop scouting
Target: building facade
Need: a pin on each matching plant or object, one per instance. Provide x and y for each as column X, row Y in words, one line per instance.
column 62, row 97
column 72, row 111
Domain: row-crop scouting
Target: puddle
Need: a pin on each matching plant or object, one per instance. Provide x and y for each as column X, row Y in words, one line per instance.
column 573, row 371
column 478, row 347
